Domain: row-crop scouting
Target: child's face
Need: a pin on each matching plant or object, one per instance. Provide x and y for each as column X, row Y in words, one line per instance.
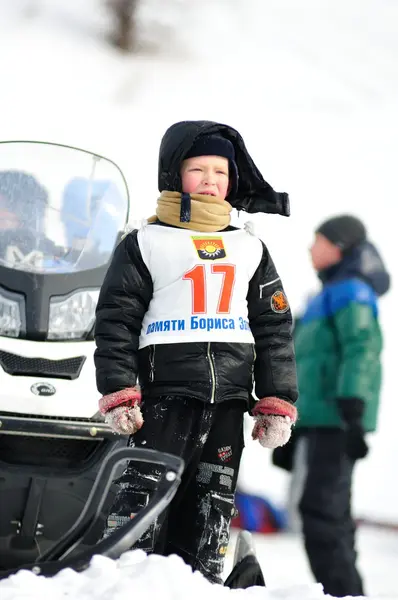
column 205, row 175
column 324, row 254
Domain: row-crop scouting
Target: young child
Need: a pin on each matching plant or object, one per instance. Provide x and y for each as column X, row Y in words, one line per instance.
column 338, row 345
column 193, row 311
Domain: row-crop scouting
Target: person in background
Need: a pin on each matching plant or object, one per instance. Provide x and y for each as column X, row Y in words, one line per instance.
column 338, row 343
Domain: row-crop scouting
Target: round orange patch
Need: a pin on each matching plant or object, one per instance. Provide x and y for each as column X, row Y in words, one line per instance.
column 279, row 303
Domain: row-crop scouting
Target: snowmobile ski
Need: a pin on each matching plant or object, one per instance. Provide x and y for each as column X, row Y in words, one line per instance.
column 246, row 570
column 62, row 555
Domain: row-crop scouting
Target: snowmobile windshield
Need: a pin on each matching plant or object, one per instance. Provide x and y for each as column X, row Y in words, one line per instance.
column 62, row 210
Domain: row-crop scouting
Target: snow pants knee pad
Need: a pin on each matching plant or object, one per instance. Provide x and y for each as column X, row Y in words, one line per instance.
column 134, row 495
column 216, row 511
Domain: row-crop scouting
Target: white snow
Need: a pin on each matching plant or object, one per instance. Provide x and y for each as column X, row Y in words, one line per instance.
column 313, row 88
column 136, row 575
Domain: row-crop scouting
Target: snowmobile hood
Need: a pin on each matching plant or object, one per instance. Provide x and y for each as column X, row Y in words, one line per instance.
column 363, row 262
column 254, row 194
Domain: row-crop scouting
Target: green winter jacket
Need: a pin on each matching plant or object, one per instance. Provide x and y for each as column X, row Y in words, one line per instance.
column 338, row 346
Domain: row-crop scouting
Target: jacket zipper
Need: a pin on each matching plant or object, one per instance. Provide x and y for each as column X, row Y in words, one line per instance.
column 212, row 374
column 152, row 364
column 254, row 364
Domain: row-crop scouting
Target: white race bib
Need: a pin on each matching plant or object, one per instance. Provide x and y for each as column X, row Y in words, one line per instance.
column 200, row 285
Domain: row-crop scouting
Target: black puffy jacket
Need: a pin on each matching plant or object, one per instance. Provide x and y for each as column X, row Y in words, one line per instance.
column 212, row 372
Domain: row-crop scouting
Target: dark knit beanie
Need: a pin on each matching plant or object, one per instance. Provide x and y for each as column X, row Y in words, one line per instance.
column 216, row 145
column 344, row 231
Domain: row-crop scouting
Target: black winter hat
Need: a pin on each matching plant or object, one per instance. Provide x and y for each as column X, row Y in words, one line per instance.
column 345, row 231
column 254, row 194
column 216, row 145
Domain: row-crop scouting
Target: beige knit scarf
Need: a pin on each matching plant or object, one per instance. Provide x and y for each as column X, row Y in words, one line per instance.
column 208, row 213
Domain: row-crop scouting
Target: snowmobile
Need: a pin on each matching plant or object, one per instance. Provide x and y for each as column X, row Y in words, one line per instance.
column 63, row 210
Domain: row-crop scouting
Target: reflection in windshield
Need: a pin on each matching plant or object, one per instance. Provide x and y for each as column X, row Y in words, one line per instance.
column 70, row 224
column 23, row 203
column 91, row 214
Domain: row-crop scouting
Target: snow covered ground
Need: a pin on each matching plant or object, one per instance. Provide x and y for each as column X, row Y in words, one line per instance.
column 313, row 88
column 135, row 575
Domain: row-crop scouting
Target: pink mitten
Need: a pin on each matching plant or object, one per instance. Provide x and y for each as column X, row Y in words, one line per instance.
column 274, row 419
column 122, row 410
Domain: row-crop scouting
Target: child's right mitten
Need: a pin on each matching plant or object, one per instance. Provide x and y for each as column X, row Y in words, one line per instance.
column 122, row 410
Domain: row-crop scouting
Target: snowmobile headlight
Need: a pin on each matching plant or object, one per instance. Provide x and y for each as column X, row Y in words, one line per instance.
column 72, row 317
column 11, row 313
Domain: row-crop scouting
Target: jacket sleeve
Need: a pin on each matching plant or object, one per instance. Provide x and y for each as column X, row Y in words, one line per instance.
column 270, row 321
column 123, row 301
column 359, row 341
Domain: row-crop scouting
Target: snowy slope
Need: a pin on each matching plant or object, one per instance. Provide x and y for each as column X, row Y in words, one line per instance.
column 311, row 85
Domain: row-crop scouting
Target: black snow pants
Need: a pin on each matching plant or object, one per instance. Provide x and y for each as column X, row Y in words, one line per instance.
column 325, row 510
column 196, row 524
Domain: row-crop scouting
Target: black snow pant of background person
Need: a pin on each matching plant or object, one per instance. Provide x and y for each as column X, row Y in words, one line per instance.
column 195, row 526
column 325, row 510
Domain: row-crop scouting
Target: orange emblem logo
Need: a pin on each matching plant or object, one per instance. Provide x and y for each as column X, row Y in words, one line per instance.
column 210, row 248
column 279, row 303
